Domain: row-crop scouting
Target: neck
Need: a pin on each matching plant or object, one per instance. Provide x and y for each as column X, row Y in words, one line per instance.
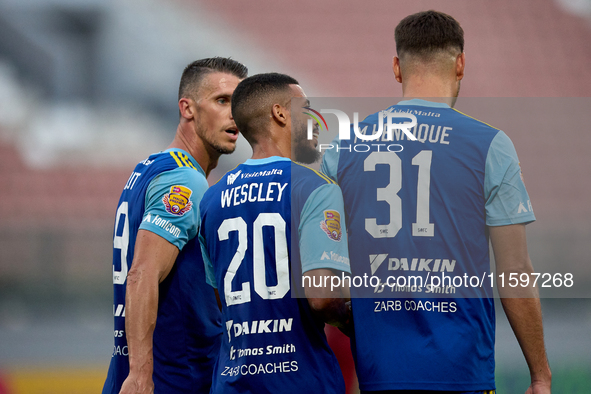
column 430, row 87
column 270, row 145
column 188, row 141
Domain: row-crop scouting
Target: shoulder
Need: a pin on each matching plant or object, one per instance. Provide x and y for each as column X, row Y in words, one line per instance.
column 304, row 174
column 501, row 153
column 473, row 121
column 178, row 189
column 183, row 175
column 228, row 178
column 305, row 180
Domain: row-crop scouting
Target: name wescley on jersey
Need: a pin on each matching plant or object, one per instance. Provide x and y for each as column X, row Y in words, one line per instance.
column 255, row 192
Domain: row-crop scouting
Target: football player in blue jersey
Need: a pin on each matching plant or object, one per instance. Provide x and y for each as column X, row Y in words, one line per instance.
column 428, row 208
column 273, row 233
column 167, row 320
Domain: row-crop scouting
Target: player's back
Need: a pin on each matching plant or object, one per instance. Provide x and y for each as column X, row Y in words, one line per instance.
column 423, row 212
column 272, row 343
column 187, row 333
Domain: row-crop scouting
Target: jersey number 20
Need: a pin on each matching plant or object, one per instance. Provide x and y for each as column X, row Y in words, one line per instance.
column 258, row 251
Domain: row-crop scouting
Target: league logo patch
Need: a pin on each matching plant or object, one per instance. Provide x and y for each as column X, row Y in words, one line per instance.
column 178, row 200
column 331, row 225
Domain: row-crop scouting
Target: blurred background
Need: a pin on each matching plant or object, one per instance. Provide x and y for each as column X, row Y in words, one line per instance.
column 88, row 89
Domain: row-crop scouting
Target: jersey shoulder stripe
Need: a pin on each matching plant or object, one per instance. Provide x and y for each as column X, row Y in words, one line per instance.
column 182, row 160
column 480, row 121
column 321, row 175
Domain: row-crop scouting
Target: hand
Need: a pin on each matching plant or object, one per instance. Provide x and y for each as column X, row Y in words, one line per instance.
column 348, row 328
column 134, row 384
column 539, row 388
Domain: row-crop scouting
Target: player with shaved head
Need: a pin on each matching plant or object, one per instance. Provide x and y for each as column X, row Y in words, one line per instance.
column 264, row 225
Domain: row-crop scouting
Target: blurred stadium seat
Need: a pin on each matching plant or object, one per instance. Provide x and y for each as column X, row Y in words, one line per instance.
column 90, row 88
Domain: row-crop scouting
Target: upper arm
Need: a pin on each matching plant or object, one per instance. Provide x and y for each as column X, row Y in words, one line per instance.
column 153, row 255
column 317, row 276
column 171, row 219
column 506, row 199
column 172, row 205
column 322, row 232
column 510, row 248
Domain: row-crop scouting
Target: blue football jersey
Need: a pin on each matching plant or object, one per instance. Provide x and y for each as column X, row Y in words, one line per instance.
column 162, row 195
column 264, row 224
column 421, row 208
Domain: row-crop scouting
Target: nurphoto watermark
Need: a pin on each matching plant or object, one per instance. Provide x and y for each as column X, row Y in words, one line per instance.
column 379, row 132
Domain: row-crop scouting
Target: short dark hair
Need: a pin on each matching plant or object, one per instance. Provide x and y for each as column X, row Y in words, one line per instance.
column 194, row 73
column 428, row 32
column 254, row 96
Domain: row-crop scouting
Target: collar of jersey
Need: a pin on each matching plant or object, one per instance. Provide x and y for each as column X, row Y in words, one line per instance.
column 424, row 103
column 197, row 166
column 254, row 162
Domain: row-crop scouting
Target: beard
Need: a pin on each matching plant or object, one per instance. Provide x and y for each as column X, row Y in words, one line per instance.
column 303, row 149
column 223, row 150
column 219, row 147
column 208, row 139
column 304, row 152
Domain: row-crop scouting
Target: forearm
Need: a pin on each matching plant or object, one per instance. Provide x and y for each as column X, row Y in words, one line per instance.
column 333, row 311
column 329, row 304
column 525, row 318
column 140, row 319
column 521, row 304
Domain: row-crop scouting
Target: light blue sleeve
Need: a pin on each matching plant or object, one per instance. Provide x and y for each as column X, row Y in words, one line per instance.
column 330, row 160
column 209, row 271
column 507, row 201
column 322, row 231
column 172, row 205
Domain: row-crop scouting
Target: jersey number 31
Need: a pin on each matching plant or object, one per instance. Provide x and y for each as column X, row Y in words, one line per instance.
column 389, row 194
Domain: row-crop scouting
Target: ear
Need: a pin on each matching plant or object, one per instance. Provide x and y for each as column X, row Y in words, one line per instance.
column 396, row 69
column 460, row 64
column 186, row 109
column 280, row 114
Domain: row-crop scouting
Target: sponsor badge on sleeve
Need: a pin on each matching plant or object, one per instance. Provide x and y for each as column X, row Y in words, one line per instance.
column 178, row 200
column 331, row 225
